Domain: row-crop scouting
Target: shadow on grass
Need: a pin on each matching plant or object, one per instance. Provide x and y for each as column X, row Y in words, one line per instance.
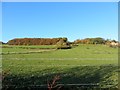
column 72, row 78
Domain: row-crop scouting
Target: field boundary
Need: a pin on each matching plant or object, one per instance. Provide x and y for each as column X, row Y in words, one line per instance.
column 65, row 65
column 63, row 58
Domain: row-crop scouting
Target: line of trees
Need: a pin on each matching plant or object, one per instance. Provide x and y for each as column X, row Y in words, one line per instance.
column 35, row 41
column 60, row 42
column 97, row 40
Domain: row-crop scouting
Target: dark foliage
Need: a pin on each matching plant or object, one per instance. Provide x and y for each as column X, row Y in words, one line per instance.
column 2, row 42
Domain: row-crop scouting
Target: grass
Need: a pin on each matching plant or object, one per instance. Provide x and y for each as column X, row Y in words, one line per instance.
column 85, row 64
column 22, row 49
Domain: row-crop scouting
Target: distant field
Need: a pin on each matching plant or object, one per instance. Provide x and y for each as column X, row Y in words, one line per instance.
column 84, row 64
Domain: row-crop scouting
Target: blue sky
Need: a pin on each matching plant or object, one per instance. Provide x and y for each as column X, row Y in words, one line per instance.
column 50, row 20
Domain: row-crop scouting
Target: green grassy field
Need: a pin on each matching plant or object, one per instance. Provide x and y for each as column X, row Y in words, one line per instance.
column 84, row 64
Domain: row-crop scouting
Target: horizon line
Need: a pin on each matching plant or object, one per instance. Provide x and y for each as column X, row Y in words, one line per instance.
column 57, row 37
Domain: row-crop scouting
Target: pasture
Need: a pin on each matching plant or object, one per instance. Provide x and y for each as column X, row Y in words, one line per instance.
column 82, row 65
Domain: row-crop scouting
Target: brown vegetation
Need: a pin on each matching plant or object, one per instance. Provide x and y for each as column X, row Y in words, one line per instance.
column 53, row 84
column 97, row 40
column 62, row 44
column 35, row 41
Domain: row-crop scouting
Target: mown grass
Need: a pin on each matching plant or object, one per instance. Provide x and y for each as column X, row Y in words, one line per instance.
column 7, row 49
column 85, row 64
column 82, row 51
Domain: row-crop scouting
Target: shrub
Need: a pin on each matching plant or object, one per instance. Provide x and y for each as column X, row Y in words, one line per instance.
column 62, row 45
